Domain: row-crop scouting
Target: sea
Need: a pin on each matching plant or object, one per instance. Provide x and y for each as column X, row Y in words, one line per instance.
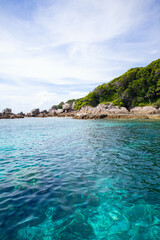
column 70, row 179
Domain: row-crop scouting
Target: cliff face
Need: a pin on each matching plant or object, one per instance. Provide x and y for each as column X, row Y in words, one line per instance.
column 137, row 87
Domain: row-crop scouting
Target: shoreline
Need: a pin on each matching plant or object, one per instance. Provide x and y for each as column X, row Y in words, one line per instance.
column 90, row 116
column 101, row 111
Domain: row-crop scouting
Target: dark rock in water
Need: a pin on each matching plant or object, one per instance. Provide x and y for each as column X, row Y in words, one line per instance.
column 38, row 220
column 38, row 237
column 62, row 212
column 35, row 112
column 81, row 227
column 93, row 200
column 136, row 213
column 77, row 198
column 64, row 235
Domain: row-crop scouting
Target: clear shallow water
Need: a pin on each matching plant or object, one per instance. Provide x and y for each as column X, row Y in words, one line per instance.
column 65, row 179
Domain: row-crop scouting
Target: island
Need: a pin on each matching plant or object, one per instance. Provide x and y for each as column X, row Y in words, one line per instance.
column 133, row 95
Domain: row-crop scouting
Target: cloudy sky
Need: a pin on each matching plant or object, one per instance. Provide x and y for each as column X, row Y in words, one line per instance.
column 55, row 50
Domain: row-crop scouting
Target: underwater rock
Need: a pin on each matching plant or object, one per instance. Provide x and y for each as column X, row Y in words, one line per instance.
column 136, row 213
column 114, row 237
column 81, row 227
column 28, row 233
column 61, row 212
column 37, row 220
column 118, row 228
column 76, row 198
column 93, row 200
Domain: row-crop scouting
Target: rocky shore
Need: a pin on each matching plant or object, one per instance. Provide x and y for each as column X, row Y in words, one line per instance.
column 106, row 111
column 114, row 112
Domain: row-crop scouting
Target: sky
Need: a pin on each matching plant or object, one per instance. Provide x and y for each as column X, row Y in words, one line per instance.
column 55, row 50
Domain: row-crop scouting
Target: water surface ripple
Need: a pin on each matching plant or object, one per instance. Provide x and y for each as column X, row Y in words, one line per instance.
column 65, row 179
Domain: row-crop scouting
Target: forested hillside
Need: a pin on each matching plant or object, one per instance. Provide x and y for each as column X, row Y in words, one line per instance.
column 137, row 87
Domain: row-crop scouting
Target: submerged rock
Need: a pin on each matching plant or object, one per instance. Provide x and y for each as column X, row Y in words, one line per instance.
column 81, row 228
column 62, row 212
column 93, row 200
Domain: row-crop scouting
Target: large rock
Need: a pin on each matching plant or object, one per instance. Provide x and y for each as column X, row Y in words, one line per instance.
column 104, row 109
column 66, row 107
column 59, row 111
column 53, row 108
column 101, row 111
column 20, row 115
column 44, row 112
column 7, row 111
column 35, row 112
column 41, row 115
column 52, row 112
column 145, row 110
column 73, row 105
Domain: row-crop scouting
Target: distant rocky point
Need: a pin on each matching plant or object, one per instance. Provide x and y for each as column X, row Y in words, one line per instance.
column 8, row 114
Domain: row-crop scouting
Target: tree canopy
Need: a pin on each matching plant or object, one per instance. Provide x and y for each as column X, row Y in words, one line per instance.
column 136, row 87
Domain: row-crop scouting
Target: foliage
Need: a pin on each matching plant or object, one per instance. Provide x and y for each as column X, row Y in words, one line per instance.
column 71, row 101
column 59, row 106
column 137, row 87
column 157, row 104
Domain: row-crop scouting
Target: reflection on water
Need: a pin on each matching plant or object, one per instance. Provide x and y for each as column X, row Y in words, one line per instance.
column 65, row 179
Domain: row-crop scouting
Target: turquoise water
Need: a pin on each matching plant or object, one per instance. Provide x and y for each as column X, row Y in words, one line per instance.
column 65, row 179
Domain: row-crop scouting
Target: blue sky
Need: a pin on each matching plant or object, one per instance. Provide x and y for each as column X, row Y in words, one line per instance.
column 55, row 50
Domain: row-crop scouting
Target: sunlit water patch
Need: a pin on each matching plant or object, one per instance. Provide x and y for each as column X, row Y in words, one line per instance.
column 65, row 179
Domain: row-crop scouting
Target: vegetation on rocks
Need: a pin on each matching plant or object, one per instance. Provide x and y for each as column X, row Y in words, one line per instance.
column 136, row 87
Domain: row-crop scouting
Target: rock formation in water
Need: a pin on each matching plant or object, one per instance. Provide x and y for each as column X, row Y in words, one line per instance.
column 8, row 114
